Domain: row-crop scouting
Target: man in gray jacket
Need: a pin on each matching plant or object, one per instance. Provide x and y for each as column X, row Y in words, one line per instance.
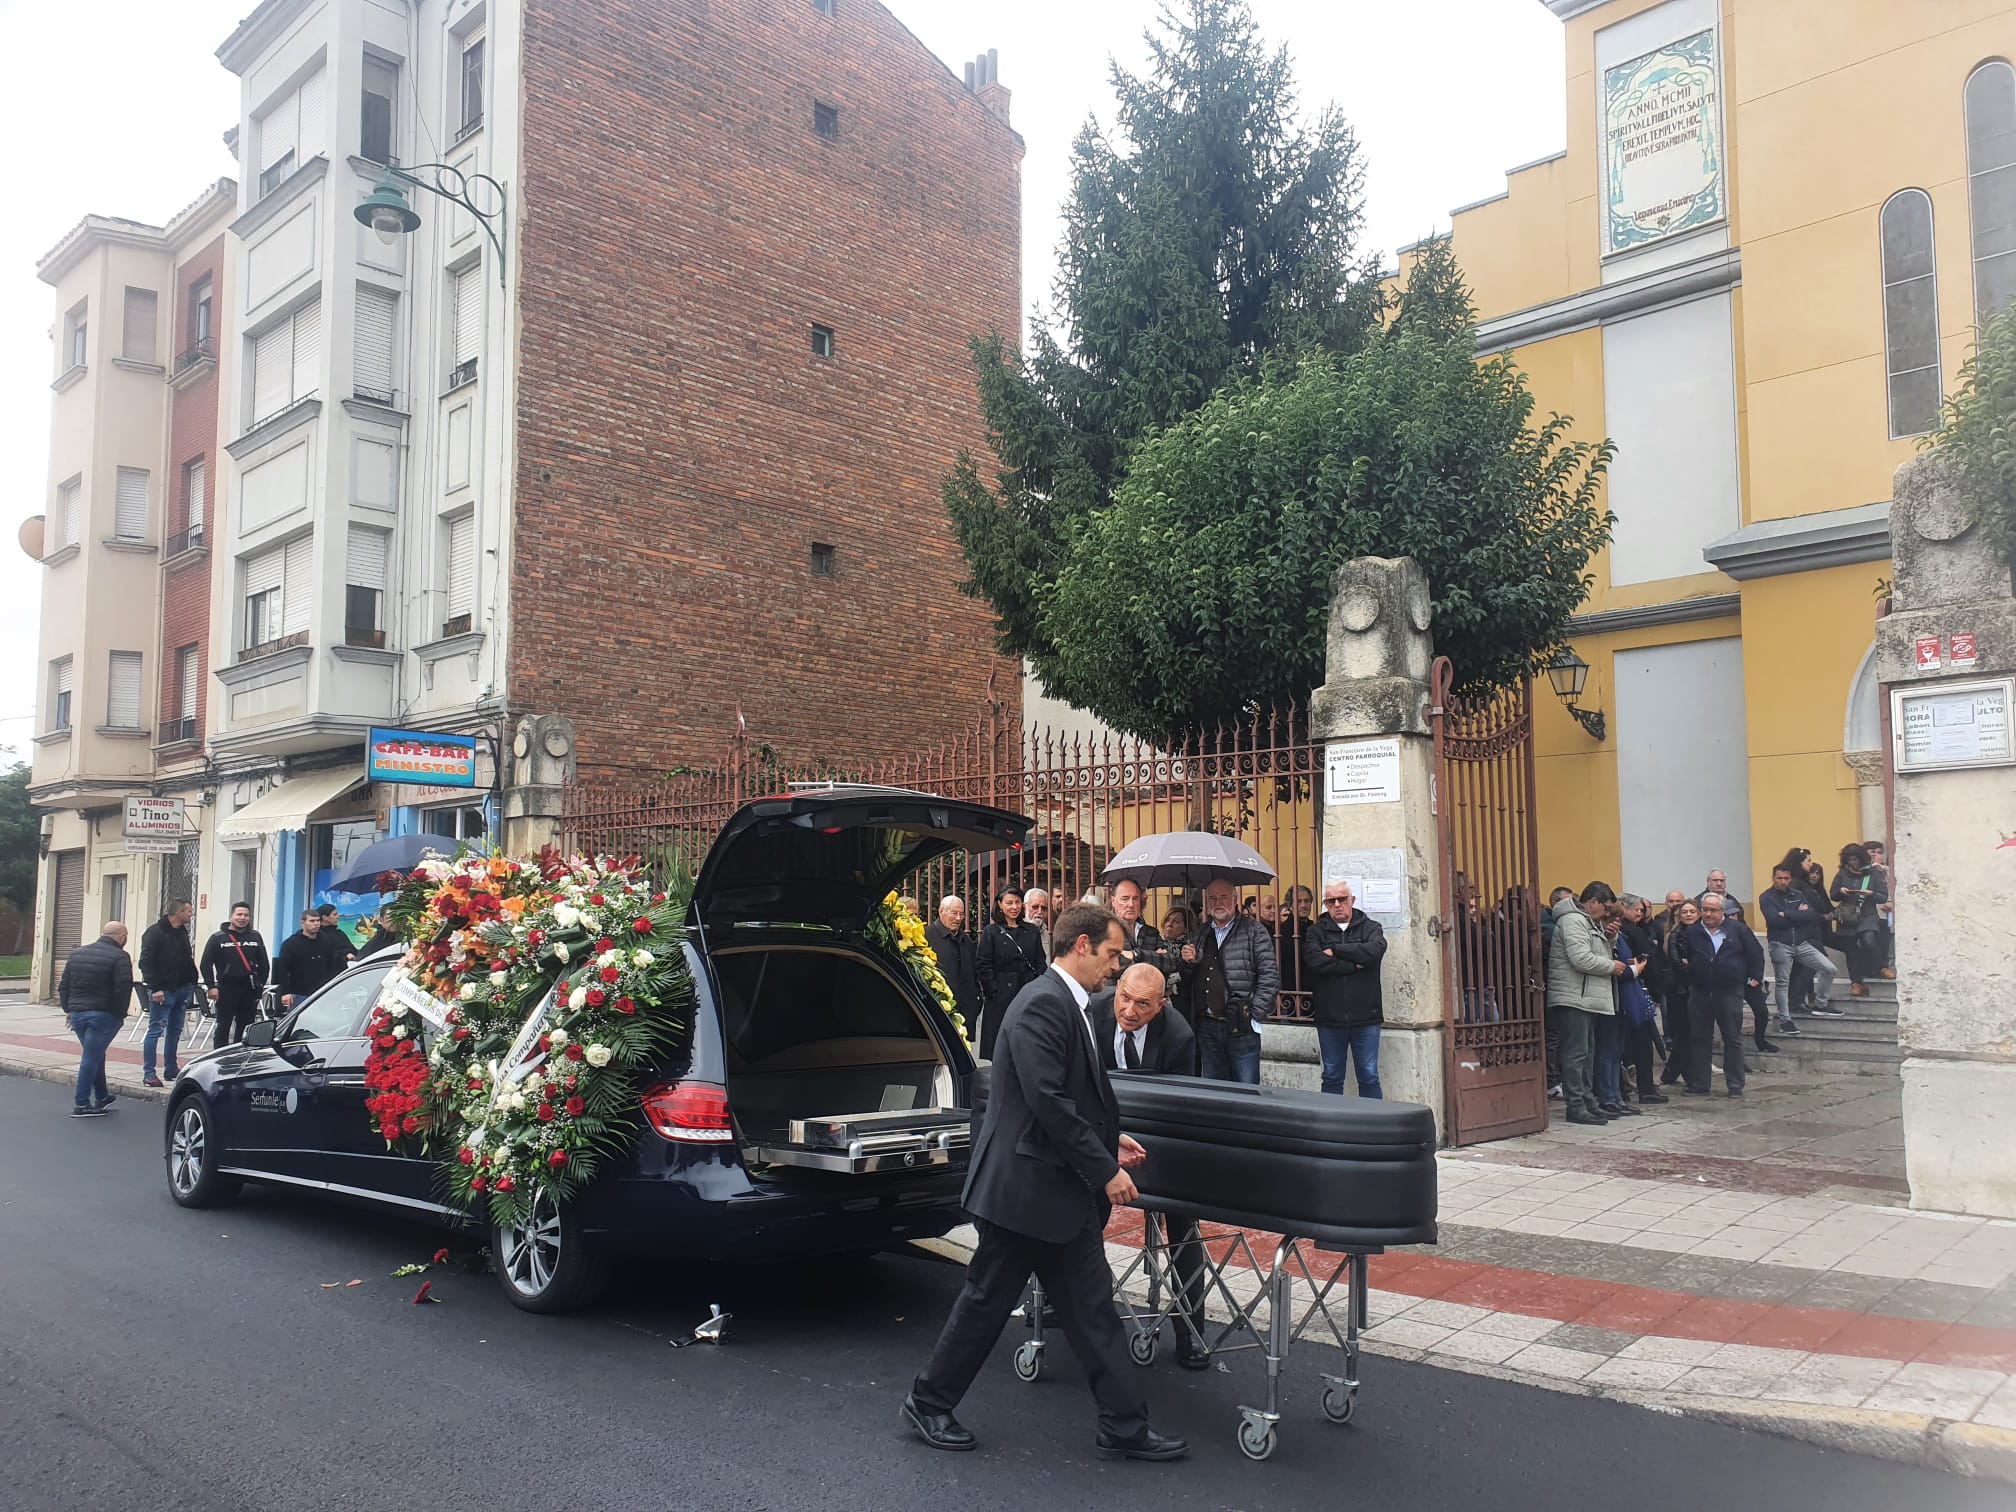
column 1230, row 982
column 1580, row 971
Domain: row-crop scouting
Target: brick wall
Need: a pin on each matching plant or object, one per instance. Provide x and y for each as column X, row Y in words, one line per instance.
column 680, row 446
column 192, row 433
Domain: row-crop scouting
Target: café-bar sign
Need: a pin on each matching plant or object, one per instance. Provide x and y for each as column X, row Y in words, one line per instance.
column 417, row 756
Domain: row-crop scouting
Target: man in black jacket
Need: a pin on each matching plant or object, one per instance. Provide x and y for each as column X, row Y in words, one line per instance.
column 1048, row 1166
column 958, row 960
column 1341, row 956
column 96, row 990
column 335, row 939
column 168, row 967
column 304, row 963
column 1721, row 958
column 234, row 970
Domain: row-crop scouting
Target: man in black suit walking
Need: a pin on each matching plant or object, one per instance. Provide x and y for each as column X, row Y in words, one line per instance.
column 1134, row 1034
column 1048, row 1166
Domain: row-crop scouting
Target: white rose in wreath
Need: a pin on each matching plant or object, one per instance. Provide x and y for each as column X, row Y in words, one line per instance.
column 607, row 958
column 576, row 998
column 566, row 915
column 558, row 1037
column 590, row 923
column 401, row 1032
column 468, row 992
column 559, row 951
column 598, row 1055
column 497, row 979
column 641, row 958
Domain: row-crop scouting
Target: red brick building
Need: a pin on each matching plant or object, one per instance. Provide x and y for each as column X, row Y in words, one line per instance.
column 758, row 237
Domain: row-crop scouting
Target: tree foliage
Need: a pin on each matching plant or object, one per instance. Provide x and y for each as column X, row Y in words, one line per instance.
column 1207, row 582
column 1210, row 233
column 20, row 833
column 1979, row 426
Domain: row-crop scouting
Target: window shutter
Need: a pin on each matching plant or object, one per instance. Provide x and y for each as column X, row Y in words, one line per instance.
column 297, row 591
column 279, row 131
column 122, row 698
column 365, row 567
column 307, row 350
column 262, row 573
column 137, row 340
column 313, row 92
column 129, row 517
column 199, row 481
column 67, row 499
column 272, row 370
column 376, row 310
column 468, row 314
column 462, row 566
column 63, row 675
column 185, row 707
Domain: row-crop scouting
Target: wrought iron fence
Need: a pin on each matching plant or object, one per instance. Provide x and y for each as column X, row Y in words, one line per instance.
column 1087, row 792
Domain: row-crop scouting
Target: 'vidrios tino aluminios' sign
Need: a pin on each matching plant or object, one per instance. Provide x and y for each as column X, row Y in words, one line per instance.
column 1662, row 135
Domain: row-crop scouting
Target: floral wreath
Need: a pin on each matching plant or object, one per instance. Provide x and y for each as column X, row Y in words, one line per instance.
column 509, row 1041
column 895, row 928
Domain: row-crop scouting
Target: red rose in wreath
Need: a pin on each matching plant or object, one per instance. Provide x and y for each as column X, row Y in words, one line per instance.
column 573, row 1051
column 611, row 974
column 505, row 1183
column 596, row 997
column 576, row 1107
column 466, row 1155
column 476, row 1183
column 625, row 1005
column 557, row 1159
column 642, row 926
column 546, row 1113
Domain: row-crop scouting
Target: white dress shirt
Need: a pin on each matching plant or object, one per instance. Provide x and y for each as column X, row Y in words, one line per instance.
column 1081, row 997
column 1120, row 1036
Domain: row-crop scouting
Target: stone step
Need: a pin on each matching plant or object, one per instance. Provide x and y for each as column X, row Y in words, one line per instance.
column 1838, row 1059
column 1842, row 1031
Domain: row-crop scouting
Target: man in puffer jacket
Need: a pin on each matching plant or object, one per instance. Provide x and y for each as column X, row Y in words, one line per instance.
column 1581, row 969
column 96, row 992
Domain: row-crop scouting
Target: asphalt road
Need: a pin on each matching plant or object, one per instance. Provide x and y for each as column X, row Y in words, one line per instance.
column 156, row 1358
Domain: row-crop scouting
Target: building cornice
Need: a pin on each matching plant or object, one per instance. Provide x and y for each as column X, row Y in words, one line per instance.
column 280, row 196
column 1804, row 543
column 213, row 207
column 1568, row 10
column 1650, row 616
column 367, row 656
column 297, row 414
column 92, row 232
column 274, row 666
column 257, row 32
column 267, row 746
column 1712, row 273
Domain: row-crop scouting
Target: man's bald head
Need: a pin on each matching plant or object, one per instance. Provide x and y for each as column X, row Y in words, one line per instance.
column 1138, row 996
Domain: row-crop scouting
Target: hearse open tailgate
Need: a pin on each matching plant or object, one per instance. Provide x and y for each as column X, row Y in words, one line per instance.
column 860, row 1142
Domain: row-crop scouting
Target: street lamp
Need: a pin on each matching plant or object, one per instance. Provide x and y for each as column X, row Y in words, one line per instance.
column 386, row 211
column 1569, row 674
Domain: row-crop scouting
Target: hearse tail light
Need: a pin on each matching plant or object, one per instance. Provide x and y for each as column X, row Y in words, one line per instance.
column 689, row 1112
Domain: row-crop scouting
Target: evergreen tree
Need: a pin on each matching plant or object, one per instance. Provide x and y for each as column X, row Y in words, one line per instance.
column 20, row 838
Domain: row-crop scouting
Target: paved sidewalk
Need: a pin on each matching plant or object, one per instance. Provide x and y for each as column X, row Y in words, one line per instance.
column 35, row 1042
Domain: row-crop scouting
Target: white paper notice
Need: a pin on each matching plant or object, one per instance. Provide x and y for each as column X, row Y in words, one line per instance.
column 1379, row 896
column 1362, row 771
column 1378, row 880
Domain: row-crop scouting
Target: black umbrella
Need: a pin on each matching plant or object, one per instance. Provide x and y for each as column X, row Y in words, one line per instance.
column 398, row 853
column 1187, row 858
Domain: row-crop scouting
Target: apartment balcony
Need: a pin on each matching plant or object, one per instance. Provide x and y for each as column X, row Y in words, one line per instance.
column 178, row 732
column 194, row 364
column 185, row 543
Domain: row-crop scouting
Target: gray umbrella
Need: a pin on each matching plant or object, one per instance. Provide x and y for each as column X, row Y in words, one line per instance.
column 1187, row 858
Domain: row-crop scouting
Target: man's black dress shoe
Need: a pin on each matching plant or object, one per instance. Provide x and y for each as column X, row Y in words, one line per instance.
column 940, row 1430
column 1145, row 1445
column 1193, row 1359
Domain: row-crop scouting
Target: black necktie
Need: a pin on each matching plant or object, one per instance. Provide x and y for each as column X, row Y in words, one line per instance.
column 1133, row 1055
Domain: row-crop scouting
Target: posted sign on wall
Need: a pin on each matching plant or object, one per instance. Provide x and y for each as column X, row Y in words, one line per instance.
column 153, row 826
column 1662, row 134
column 1958, row 725
column 417, row 756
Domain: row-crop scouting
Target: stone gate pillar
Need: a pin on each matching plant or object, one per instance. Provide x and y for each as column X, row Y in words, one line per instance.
column 542, row 768
column 1371, row 717
column 1947, row 653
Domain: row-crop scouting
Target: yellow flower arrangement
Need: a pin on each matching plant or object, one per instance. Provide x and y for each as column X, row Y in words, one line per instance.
column 896, row 928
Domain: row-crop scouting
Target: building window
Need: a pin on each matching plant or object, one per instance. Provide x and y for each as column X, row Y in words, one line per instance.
column 75, row 330
column 195, row 492
column 1991, row 184
column 458, row 577
column 59, row 693
column 381, row 94
column 289, row 133
column 245, row 878
column 113, row 893
column 181, row 725
column 122, row 691
column 200, row 312
column 1910, row 313
column 129, row 514
column 69, row 511
column 371, row 364
column 824, row 560
column 472, row 87
column 466, row 339
column 137, row 336
column 822, row 341
column 286, row 362
column 364, row 586
column 178, row 874
column 826, row 7
column 826, row 121
column 454, row 823
column 277, row 593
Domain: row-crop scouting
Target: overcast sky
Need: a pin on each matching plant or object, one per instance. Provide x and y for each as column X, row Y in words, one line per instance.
column 116, row 107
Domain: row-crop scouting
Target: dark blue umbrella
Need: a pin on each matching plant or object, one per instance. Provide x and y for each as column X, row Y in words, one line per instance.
column 399, row 853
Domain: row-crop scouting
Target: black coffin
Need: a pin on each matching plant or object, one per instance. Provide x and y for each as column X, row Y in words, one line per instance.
column 1346, row 1172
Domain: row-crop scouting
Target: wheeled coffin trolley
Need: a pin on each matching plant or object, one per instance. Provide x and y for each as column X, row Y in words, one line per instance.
column 1337, row 1175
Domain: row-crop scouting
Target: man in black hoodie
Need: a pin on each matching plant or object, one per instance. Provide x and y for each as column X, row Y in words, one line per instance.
column 234, row 971
column 168, row 967
column 304, row 961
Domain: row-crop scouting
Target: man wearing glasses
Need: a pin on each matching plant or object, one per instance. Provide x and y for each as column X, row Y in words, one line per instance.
column 1341, row 953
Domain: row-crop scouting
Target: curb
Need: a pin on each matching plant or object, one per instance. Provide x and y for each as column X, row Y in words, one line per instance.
column 1912, row 1438
column 67, row 1077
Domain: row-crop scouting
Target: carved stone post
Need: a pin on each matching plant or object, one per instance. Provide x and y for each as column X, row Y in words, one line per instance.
column 542, row 768
column 1378, row 802
column 1947, row 652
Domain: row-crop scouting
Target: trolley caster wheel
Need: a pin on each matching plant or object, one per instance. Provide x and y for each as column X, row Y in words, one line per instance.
column 1254, row 1442
column 1141, row 1347
column 1339, row 1405
column 1028, row 1362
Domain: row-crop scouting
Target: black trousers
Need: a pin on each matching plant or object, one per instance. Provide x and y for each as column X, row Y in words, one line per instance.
column 1709, row 1015
column 1679, row 1037
column 1077, row 1282
column 1186, row 1253
column 236, row 1007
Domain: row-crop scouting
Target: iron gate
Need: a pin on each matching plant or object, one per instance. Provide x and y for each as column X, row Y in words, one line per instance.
column 1495, row 1039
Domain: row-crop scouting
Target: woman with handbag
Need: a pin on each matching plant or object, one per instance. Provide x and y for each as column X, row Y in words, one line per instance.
column 1859, row 887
